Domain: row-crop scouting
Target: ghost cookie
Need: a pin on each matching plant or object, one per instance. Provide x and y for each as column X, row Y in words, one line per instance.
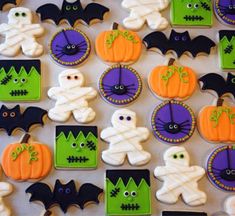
column 20, row 34
column 72, row 98
column 124, row 140
column 179, row 178
column 145, row 11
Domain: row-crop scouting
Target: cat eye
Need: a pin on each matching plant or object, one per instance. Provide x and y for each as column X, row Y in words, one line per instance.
column 60, row 190
column 75, row 7
column 126, row 193
column 12, row 114
column 233, row 80
column 5, row 114
column 67, row 191
column 68, row 7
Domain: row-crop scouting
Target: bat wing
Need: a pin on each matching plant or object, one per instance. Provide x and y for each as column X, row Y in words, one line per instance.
column 41, row 192
column 88, row 193
column 201, row 44
column 5, row 2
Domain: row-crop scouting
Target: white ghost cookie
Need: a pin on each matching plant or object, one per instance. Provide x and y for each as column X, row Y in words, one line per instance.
column 72, row 98
column 20, row 34
column 124, row 140
column 229, row 206
column 179, row 178
column 145, row 11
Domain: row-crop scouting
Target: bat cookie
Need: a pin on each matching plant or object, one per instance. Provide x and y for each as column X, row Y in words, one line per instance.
column 5, row 4
column 73, row 12
column 64, row 195
column 179, row 43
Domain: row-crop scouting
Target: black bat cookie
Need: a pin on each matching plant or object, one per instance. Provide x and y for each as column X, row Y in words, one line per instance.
column 64, row 195
column 4, row 3
column 72, row 12
column 185, row 213
column 179, row 43
column 217, row 83
column 11, row 119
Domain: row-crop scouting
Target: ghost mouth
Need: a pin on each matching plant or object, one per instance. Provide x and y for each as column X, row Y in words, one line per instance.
column 22, row 92
column 130, row 207
column 75, row 159
column 193, row 18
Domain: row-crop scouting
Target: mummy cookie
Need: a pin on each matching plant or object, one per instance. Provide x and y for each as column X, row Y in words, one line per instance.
column 172, row 81
column 179, row 178
column 173, row 122
column 26, row 160
column 183, row 213
column 5, row 4
column 72, row 98
column 145, row 11
column 20, row 34
column 229, row 206
column 127, row 192
column 192, row 13
column 70, row 47
column 124, row 140
column 120, row 85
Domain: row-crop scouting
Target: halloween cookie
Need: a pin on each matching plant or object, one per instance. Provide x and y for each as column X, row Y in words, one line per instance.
column 179, row 43
column 179, row 178
column 172, row 81
column 229, row 205
column 173, row 122
column 70, row 47
column 221, row 168
column 6, row 4
column 127, row 192
column 20, row 34
column 72, row 98
column 26, row 160
column 183, row 213
column 192, row 13
column 145, row 11
column 120, row 85
column 124, row 139
column 76, row 147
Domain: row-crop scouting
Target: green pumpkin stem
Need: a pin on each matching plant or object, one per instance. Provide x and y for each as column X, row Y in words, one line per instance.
column 25, row 138
column 115, row 26
column 220, row 102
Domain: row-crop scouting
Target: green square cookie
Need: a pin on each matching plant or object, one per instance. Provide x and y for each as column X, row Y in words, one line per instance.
column 20, row 80
column 76, row 147
column 127, row 192
column 191, row 13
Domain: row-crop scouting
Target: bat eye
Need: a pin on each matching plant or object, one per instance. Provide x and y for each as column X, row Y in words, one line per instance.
column 175, row 156
column 5, row 114
column 121, row 118
column 68, row 7
column 23, row 80
column 184, row 38
column 126, row 193
column 177, row 38
column 74, row 145
column 75, row 7
column 182, row 156
column 196, row 6
column 82, row 145
column 133, row 193
column 15, row 80
column 61, row 190
column 189, row 5
column 128, row 118
column 67, row 191
column 23, row 14
column 69, row 77
column 12, row 114
column 233, row 80
column 17, row 14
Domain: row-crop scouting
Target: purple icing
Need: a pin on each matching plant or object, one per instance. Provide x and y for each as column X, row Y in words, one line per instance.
column 173, row 122
column 120, row 85
column 221, row 168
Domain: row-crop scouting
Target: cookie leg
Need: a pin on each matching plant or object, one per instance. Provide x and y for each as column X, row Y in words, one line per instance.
column 32, row 48
column 115, row 159
column 9, row 50
column 133, row 22
column 193, row 197
column 138, row 158
column 56, row 114
column 156, row 21
column 84, row 114
column 168, row 196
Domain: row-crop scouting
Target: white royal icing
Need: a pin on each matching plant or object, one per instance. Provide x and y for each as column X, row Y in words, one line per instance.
column 124, row 140
column 20, row 34
column 148, row 11
column 72, row 98
column 179, row 179
column 230, row 206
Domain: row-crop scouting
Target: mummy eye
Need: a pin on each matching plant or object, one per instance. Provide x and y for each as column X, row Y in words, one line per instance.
column 121, row 118
column 17, row 14
column 175, row 156
column 128, row 118
column 182, row 156
column 23, row 14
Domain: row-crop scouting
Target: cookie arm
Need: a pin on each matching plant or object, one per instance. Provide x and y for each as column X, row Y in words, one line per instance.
column 54, row 92
column 34, row 29
column 5, row 188
column 92, row 93
column 107, row 134
column 143, row 132
column 4, row 27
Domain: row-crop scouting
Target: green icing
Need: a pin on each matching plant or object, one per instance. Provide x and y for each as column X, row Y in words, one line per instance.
column 216, row 114
column 119, row 199
column 191, row 12
column 76, row 152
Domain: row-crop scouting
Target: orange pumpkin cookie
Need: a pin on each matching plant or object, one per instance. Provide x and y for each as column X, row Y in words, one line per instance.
column 118, row 46
column 26, row 160
column 172, row 81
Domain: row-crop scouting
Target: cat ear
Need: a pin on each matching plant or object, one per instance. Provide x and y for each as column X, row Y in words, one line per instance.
column 57, row 183
column 16, row 109
column 3, row 108
column 71, row 184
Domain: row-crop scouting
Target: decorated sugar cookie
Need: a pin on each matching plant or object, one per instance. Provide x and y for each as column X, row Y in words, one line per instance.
column 173, row 122
column 191, row 13
column 72, row 98
column 76, row 147
column 216, row 123
column 20, row 34
column 70, row 47
column 124, row 139
column 172, row 81
column 145, row 11
column 127, row 192
column 64, row 195
column 179, row 178
column 221, row 168
column 5, row 4
column 229, row 206
column 26, row 160
column 20, row 80
column 183, row 213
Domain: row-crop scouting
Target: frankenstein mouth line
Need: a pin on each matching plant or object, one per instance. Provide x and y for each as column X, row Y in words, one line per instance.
column 130, row 207
column 193, row 18
column 75, row 159
column 14, row 93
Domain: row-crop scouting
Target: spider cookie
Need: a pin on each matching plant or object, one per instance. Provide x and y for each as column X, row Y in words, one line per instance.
column 179, row 178
column 124, row 140
column 173, row 122
column 192, row 13
column 127, row 192
column 6, row 4
column 76, row 147
column 20, row 34
column 70, row 47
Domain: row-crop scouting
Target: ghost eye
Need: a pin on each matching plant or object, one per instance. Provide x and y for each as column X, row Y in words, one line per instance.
column 23, row 14
column 17, row 14
column 182, row 156
column 68, row 7
column 60, row 190
column 74, row 145
column 15, row 80
column 12, row 114
column 121, row 118
column 196, row 6
column 69, row 77
column 82, row 145
column 128, row 118
column 67, row 191
column 23, row 80
column 189, row 5
column 126, row 193
column 75, row 7
column 133, row 193
column 175, row 156
column 5, row 114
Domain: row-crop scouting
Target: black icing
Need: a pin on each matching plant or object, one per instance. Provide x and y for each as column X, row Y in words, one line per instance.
column 226, row 33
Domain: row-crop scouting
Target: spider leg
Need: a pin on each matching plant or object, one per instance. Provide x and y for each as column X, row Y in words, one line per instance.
column 107, row 85
column 214, row 168
column 130, row 85
column 161, row 121
column 159, row 124
column 186, row 121
column 60, row 55
column 59, row 46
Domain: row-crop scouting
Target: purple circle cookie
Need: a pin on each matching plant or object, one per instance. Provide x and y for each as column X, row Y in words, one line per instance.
column 173, row 122
column 70, row 47
column 225, row 11
column 221, row 168
column 120, row 85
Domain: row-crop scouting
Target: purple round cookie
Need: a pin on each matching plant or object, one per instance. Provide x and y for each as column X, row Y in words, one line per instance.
column 70, row 47
column 120, row 85
column 225, row 11
column 173, row 122
column 221, row 168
